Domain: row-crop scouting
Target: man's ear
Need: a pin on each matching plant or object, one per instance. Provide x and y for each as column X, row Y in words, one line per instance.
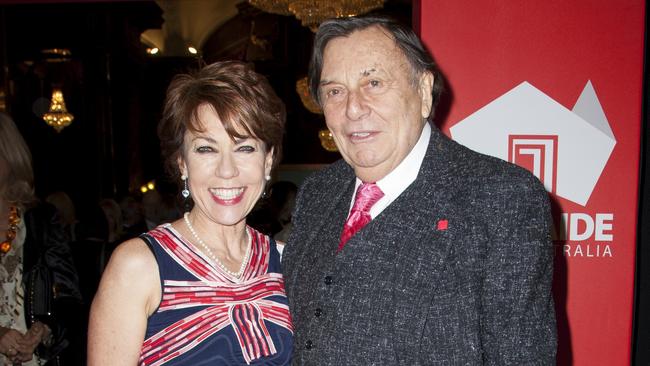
column 425, row 89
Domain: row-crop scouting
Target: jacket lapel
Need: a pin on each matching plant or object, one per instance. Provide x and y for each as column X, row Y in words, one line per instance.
column 419, row 234
column 331, row 221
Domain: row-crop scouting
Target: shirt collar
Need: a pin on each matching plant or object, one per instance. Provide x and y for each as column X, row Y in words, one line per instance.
column 404, row 174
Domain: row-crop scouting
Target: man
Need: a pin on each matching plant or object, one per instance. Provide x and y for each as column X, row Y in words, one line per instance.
column 454, row 266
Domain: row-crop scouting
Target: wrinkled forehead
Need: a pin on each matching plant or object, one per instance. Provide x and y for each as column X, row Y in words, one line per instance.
column 362, row 50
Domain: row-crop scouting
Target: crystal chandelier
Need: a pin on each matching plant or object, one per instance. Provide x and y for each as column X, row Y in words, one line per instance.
column 313, row 12
column 58, row 116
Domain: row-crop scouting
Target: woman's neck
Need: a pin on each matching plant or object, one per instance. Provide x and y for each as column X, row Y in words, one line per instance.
column 231, row 239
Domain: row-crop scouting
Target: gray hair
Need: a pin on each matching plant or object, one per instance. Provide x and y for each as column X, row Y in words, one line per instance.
column 405, row 39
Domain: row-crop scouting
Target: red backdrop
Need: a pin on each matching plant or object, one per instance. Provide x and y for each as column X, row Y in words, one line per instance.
column 487, row 48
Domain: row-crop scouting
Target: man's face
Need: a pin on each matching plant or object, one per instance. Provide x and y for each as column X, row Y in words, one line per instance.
column 371, row 105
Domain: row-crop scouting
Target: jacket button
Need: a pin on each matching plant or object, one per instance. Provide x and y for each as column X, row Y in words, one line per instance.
column 309, row 344
column 328, row 280
column 318, row 312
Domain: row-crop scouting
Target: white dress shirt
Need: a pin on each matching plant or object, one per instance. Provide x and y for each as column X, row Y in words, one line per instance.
column 401, row 177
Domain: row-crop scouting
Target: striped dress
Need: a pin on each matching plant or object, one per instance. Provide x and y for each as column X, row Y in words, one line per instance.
column 207, row 316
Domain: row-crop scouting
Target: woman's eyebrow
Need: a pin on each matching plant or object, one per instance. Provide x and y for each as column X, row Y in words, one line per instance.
column 206, row 138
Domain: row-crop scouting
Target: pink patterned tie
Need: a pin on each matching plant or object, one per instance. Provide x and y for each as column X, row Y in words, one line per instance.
column 367, row 195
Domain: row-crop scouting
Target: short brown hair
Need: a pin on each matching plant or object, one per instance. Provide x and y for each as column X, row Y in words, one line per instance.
column 240, row 97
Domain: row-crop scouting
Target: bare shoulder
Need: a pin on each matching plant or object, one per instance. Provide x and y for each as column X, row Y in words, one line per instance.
column 133, row 270
column 128, row 294
column 133, row 255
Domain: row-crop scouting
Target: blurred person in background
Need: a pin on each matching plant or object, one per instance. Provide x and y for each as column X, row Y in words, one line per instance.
column 283, row 200
column 38, row 284
column 67, row 212
column 113, row 214
column 133, row 223
column 89, row 254
column 98, row 233
column 89, row 250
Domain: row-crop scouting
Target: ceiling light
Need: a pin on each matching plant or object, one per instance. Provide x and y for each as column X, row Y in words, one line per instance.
column 302, row 88
column 327, row 140
column 58, row 116
column 313, row 12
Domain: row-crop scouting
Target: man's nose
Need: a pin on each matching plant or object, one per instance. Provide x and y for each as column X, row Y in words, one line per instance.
column 356, row 107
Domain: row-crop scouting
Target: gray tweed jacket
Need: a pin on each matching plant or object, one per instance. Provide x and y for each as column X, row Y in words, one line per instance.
column 406, row 290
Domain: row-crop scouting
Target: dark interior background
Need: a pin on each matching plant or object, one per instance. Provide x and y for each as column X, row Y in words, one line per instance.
column 115, row 91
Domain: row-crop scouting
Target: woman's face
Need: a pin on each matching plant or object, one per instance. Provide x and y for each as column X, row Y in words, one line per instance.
column 225, row 177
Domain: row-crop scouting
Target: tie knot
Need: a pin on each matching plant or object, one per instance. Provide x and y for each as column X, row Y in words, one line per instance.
column 367, row 195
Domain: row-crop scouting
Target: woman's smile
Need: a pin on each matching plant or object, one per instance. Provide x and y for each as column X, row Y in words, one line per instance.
column 228, row 196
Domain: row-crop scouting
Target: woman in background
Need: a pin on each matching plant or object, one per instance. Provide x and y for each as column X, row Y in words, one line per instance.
column 37, row 277
column 205, row 289
column 67, row 213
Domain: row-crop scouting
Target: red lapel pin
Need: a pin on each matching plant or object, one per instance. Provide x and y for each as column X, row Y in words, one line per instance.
column 443, row 224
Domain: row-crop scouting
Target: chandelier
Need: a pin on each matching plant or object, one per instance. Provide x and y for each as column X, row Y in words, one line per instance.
column 58, row 116
column 327, row 140
column 302, row 88
column 313, row 12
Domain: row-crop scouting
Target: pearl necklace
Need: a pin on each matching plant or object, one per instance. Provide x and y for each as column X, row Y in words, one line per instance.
column 214, row 258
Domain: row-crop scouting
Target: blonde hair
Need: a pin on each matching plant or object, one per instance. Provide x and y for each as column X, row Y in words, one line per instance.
column 19, row 185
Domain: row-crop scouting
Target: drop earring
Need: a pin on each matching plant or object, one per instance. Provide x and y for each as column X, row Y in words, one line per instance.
column 186, row 190
column 267, row 178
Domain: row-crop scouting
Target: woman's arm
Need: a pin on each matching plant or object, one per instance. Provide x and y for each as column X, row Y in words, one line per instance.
column 128, row 293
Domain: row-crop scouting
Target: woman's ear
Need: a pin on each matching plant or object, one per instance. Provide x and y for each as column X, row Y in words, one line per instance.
column 182, row 168
column 268, row 162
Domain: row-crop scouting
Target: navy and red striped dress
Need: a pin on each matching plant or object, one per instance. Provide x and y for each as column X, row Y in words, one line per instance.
column 207, row 316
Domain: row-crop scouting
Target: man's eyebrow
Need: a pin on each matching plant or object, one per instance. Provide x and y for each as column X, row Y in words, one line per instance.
column 367, row 73
column 364, row 73
column 324, row 82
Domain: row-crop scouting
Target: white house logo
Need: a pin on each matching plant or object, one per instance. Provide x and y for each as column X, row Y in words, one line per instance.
column 566, row 149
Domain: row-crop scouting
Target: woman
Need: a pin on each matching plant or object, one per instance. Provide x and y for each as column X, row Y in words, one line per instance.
column 205, row 289
column 66, row 211
column 37, row 277
column 113, row 214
